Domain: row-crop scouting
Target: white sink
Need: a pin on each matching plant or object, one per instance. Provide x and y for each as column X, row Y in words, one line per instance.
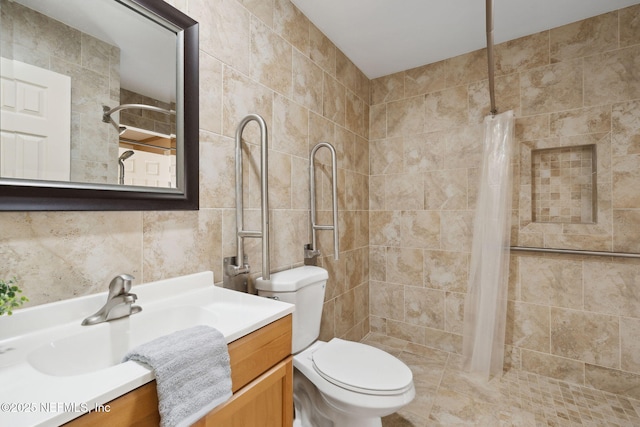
column 104, row 345
column 46, row 355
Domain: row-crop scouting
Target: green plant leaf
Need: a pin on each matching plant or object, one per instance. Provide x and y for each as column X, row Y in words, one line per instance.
column 8, row 296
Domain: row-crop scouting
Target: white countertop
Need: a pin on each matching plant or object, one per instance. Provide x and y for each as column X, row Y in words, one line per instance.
column 29, row 397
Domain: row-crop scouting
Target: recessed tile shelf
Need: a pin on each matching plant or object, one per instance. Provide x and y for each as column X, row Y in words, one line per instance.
column 564, row 186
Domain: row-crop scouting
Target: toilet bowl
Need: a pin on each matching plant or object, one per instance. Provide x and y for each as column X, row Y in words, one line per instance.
column 357, row 384
column 337, row 383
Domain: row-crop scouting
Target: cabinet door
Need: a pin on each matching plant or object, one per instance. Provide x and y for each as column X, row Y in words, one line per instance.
column 265, row 402
column 261, row 368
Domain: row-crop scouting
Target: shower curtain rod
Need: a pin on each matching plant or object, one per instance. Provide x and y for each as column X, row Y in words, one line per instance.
column 575, row 252
column 106, row 113
column 492, row 96
column 106, row 116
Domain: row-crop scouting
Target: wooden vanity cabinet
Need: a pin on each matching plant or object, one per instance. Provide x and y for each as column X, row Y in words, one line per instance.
column 262, row 385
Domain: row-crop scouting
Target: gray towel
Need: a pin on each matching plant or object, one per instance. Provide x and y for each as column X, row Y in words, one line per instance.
column 192, row 371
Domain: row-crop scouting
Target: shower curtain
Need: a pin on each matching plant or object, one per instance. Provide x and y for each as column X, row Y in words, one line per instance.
column 485, row 309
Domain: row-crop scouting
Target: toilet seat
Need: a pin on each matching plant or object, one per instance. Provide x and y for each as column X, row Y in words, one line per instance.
column 361, row 368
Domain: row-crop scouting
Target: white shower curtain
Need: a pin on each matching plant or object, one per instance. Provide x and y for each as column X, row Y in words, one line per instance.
column 485, row 308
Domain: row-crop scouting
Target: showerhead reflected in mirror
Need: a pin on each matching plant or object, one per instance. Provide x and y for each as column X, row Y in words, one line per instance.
column 124, row 156
column 159, row 171
column 152, row 159
column 112, row 54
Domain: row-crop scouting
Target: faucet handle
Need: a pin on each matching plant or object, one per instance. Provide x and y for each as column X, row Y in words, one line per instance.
column 120, row 284
column 130, row 298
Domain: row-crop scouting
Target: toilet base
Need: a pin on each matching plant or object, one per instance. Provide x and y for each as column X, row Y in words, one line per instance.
column 313, row 410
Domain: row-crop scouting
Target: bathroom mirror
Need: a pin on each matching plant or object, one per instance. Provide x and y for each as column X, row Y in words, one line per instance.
column 99, row 106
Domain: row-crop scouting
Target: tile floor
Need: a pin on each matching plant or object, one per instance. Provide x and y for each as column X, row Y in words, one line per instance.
column 447, row 396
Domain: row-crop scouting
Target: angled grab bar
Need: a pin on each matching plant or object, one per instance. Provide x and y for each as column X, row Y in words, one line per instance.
column 311, row 250
column 241, row 265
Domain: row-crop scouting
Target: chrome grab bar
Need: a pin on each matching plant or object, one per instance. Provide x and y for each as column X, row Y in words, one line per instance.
column 242, row 266
column 311, row 250
column 575, row 252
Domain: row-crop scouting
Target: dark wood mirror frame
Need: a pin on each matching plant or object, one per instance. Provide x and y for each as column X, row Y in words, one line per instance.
column 57, row 196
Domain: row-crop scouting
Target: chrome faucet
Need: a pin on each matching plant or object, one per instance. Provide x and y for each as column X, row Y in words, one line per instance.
column 119, row 302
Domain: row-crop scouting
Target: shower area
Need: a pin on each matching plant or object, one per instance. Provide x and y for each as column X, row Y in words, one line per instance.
column 572, row 320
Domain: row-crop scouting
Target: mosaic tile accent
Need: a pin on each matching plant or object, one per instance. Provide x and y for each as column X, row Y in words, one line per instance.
column 446, row 395
column 563, row 184
column 556, row 403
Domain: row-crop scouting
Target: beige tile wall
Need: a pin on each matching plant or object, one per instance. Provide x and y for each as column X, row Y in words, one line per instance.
column 260, row 57
column 570, row 318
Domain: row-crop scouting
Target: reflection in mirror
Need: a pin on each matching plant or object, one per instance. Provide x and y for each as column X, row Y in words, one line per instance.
column 84, row 82
column 55, row 59
column 157, row 168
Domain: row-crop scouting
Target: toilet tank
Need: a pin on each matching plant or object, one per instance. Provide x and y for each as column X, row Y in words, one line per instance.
column 304, row 287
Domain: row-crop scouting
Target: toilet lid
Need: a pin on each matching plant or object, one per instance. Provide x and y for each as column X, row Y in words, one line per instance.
column 361, row 368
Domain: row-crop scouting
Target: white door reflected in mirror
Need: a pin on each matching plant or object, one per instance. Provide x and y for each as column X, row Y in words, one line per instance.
column 35, row 123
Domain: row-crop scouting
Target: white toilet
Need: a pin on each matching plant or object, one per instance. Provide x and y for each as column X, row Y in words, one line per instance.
column 337, row 383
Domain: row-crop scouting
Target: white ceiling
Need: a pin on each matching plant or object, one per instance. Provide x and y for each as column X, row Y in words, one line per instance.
column 382, row 37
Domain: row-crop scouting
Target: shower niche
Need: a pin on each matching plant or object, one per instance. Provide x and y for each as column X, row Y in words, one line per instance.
column 564, row 185
column 564, row 194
